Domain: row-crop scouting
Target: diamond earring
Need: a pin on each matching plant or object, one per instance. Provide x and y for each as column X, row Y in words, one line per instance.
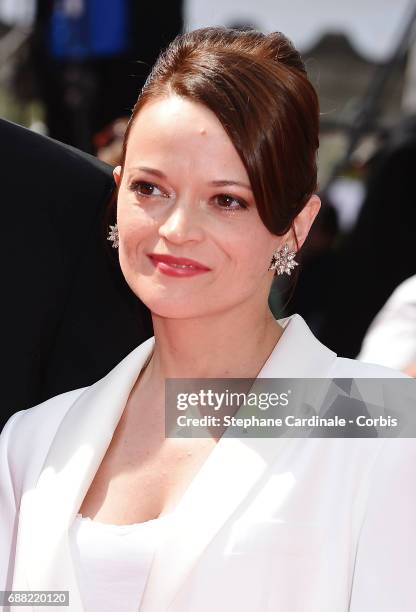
column 283, row 260
column 113, row 236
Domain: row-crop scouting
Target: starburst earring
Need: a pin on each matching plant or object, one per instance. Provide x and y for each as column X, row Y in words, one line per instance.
column 113, row 236
column 283, row 260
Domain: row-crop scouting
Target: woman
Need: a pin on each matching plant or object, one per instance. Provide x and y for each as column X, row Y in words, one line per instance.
column 215, row 194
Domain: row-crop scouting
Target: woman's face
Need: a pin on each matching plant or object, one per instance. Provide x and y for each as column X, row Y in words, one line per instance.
column 185, row 194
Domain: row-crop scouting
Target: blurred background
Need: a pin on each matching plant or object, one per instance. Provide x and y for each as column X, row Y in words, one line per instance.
column 72, row 69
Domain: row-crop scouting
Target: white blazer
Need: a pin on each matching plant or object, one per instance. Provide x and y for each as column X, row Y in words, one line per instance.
column 267, row 525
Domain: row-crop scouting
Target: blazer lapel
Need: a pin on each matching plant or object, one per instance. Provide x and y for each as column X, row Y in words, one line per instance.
column 222, row 483
column 228, row 475
column 73, row 459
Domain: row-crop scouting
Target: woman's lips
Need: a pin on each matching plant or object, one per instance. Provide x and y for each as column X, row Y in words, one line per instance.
column 177, row 266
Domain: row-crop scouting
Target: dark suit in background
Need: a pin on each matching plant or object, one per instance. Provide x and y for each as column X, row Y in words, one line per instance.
column 68, row 315
column 380, row 251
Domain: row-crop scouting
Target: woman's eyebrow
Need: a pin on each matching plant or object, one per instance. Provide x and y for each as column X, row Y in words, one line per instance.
column 228, row 183
column 216, row 183
column 154, row 171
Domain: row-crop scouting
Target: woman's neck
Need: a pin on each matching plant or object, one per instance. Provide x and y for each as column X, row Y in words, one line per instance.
column 235, row 344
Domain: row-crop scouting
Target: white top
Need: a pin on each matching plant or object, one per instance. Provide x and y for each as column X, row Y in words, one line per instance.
column 113, row 561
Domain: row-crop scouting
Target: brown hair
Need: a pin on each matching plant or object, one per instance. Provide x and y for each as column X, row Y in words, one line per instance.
column 257, row 86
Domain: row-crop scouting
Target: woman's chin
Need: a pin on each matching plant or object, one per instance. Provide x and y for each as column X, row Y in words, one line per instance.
column 173, row 307
column 176, row 312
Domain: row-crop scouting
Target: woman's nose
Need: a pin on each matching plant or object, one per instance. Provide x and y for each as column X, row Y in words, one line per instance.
column 181, row 225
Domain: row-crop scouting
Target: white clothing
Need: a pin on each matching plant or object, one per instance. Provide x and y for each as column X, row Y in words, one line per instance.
column 290, row 524
column 391, row 338
column 113, row 562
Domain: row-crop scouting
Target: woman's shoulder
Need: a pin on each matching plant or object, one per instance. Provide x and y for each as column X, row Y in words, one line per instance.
column 38, row 419
column 27, row 435
column 28, row 432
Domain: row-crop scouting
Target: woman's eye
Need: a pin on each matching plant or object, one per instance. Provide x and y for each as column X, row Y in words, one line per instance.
column 146, row 189
column 228, row 202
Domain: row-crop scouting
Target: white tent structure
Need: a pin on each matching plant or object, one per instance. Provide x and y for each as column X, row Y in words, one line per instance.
column 17, row 12
column 371, row 25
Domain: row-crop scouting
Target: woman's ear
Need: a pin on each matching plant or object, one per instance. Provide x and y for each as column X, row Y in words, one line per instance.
column 117, row 175
column 303, row 222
